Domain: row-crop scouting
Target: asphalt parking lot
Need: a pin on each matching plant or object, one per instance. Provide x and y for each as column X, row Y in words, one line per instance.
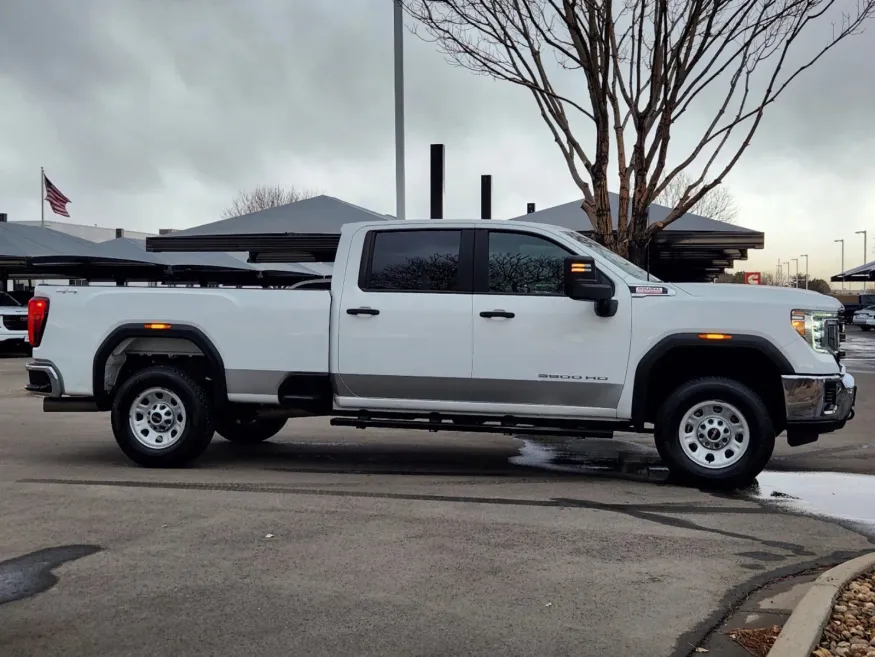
column 334, row 541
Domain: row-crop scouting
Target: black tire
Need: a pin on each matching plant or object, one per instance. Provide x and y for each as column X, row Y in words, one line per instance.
column 865, row 328
column 195, row 435
column 243, row 430
column 761, row 438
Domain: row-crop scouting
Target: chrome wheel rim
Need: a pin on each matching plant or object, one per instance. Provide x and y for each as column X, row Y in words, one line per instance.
column 714, row 435
column 157, row 418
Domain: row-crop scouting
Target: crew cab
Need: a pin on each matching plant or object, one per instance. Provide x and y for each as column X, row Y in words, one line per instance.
column 13, row 321
column 474, row 326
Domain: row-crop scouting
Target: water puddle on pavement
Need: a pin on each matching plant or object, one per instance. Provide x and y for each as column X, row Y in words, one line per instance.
column 849, row 498
column 592, row 456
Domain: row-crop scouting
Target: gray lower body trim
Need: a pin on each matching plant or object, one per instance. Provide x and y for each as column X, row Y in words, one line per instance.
column 585, row 394
column 254, row 382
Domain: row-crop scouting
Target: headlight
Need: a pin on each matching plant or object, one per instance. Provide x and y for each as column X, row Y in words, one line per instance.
column 812, row 326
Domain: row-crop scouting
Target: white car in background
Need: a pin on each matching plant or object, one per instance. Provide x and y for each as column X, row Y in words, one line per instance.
column 864, row 318
column 13, row 321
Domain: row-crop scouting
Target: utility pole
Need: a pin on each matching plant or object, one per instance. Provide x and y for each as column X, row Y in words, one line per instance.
column 400, row 201
column 805, row 255
column 843, row 263
column 788, row 273
column 865, row 250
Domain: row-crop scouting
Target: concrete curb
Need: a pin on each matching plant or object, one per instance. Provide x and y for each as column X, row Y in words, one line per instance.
column 802, row 631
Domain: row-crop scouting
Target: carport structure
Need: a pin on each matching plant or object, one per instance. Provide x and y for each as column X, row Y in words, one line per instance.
column 691, row 249
column 860, row 274
column 302, row 232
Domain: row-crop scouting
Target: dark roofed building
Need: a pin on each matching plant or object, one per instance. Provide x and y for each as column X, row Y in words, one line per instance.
column 693, row 248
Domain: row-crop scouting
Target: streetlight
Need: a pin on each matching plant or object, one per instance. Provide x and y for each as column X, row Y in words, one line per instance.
column 400, row 211
column 843, row 263
column 796, row 282
column 788, row 273
column 865, row 251
column 805, row 255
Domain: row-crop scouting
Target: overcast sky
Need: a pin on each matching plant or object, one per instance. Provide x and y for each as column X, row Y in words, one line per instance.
column 152, row 113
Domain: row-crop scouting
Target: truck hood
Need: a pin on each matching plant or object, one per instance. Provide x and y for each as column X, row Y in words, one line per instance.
column 13, row 310
column 789, row 296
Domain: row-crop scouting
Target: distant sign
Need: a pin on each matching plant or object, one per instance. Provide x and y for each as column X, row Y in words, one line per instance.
column 752, row 277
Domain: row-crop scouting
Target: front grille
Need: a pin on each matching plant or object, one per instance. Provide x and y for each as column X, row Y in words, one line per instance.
column 15, row 322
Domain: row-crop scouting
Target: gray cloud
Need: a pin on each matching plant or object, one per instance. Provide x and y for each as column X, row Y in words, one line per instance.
column 153, row 112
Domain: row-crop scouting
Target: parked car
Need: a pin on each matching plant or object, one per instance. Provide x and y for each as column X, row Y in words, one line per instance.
column 864, row 318
column 475, row 326
column 13, row 322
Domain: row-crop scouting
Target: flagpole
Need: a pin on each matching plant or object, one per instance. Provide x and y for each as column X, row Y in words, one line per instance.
column 42, row 197
column 400, row 201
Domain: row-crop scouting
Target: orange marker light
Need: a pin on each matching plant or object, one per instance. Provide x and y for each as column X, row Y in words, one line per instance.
column 797, row 319
column 714, row 336
column 157, row 326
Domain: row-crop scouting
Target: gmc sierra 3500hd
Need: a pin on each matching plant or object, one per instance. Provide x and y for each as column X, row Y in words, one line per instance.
column 479, row 326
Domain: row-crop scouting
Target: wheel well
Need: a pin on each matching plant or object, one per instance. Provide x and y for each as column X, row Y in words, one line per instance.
column 748, row 365
column 123, row 355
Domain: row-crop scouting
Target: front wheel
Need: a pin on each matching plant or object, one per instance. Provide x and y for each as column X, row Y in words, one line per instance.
column 715, row 433
column 248, row 430
column 161, row 418
column 865, row 328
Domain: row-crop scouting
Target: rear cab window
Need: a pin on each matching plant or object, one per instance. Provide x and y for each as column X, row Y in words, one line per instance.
column 416, row 260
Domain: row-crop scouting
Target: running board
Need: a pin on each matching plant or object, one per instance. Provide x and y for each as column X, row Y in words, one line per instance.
column 70, row 405
column 427, row 425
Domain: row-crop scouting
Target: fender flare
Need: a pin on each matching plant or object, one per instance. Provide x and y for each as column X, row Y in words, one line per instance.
column 681, row 340
column 182, row 331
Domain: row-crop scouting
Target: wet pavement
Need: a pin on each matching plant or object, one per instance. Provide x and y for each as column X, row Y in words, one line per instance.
column 396, row 543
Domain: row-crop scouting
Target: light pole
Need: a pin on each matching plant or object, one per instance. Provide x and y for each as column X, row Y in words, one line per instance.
column 843, row 263
column 796, row 282
column 400, row 211
column 805, row 255
column 788, row 273
column 865, row 251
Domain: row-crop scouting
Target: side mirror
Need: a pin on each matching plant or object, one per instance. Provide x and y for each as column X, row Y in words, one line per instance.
column 581, row 282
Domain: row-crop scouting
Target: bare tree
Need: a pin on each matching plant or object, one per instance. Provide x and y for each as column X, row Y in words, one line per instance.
column 640, row 66
column 264, row 197
column 717, row 204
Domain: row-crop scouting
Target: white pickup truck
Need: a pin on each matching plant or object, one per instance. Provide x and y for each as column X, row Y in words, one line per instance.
column 476, row 326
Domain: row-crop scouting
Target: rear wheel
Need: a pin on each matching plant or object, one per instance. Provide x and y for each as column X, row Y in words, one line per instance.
column 161, row 418
column 715, row 433
column 865, row 328
column 248, row 430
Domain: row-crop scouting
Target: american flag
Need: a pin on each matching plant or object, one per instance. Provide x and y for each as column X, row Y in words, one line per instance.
column 57, row 200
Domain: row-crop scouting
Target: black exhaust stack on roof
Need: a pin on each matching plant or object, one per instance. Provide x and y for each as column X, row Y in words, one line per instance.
column 530, row 207
column 119, row 233
column 437, row 181
column 2, row 217
column 486, row 197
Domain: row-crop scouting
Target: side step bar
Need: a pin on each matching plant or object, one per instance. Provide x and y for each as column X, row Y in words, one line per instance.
column 428, row 425
column 70, row 405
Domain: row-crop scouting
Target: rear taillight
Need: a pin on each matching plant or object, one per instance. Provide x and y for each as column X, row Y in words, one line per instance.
column 37, row 315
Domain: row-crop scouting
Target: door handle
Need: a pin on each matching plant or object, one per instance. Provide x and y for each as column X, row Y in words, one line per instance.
column 497, row 313
column 362, row 311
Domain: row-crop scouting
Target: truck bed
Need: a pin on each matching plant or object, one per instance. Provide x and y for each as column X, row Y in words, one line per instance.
column 261, row 334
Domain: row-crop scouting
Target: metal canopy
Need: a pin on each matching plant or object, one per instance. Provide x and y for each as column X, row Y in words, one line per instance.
column 693, row 248
column 312, row 224
column 18, row 242
column 862, row 273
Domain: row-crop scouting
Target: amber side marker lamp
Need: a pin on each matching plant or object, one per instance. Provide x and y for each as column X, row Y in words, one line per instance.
column 714, row 336
column 157, row 326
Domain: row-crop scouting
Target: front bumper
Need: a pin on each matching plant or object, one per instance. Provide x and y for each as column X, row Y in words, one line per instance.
column 44, row 379
column 819, row 404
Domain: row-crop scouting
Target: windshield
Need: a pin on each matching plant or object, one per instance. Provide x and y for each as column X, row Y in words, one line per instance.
column 613, row 258
column 6, row 300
